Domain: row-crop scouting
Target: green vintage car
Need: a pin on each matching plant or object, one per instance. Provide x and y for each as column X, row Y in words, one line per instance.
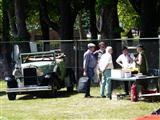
column 38, row 73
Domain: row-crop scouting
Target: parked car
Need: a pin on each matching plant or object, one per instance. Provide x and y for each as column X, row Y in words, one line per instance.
column 40, row 72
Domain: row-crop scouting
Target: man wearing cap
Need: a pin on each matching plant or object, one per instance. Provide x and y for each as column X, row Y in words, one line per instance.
column 89, row 63
column 141, row 60
column 105, row 65
column 125, row 60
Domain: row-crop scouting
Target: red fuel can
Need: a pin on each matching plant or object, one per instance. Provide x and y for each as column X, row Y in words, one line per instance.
column 133, row 92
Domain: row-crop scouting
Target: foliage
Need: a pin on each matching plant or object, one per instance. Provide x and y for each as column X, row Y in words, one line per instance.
column 100, row 3
column 33, row 13
column 104, row 2
column 85, row 20
column 127, row 16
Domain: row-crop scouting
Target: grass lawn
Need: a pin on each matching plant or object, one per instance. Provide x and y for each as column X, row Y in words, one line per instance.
column 71, row 106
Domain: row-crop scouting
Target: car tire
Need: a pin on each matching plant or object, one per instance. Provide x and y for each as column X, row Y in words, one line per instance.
column 11, row 96
column 12, row 84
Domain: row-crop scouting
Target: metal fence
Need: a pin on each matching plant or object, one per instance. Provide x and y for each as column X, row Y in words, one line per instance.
column 74, row 50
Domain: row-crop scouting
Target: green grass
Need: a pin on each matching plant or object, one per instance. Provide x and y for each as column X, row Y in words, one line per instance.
column 71, row 106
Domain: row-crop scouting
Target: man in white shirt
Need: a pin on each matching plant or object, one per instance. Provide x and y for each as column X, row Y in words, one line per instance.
column 105, row 65
column 125, row 60
column 98, row 54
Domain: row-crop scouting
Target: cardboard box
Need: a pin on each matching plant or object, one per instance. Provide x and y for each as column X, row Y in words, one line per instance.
column 117, row 73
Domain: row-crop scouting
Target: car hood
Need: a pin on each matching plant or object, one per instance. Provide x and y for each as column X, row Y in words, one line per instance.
column 43, row 66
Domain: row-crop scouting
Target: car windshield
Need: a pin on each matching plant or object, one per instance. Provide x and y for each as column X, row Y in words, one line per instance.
column 37, row 57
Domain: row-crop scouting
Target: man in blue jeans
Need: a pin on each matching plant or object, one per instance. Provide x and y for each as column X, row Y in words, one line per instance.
column 105, row 65
column 89, row 64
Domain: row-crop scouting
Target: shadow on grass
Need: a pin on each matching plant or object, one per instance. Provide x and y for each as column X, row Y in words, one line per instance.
column 2, row 93
column 60, row 94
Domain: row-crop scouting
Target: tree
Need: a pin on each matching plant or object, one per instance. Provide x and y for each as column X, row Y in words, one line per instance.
column 22, row 32
column 147, row 9
column 0, row 17
column 12, row 20
column 90, row 5
column 20, row 20
column 82, row 23
column 6, row 47
column 110, row 23
column 43, row 15
column 128, row 17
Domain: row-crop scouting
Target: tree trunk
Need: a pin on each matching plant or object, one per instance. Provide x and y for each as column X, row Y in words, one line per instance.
column 44, row 26
column 110, row 22
column 110, row 26
column 93, row 27
column 11, row 15
column 23, row 34
column 6, row 47
column 148, row 18
column 81, row 30
column 20, row 20
column 66, row 31
column 149, row 28
column 68, row 16
column 158, row 15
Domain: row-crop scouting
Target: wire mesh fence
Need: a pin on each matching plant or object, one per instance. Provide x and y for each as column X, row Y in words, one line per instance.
column 74, row 50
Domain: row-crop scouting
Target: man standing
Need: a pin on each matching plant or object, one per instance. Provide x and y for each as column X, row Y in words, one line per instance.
column 105, row 65
column 101, row 51
column 141, row 60
column 89, row 63
column 142, row 65
column 98, row 54
column 125, row 60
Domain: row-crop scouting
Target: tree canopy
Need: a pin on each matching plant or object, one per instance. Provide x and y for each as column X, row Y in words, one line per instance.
column 130, row 14
column 128, row 17
column 109, row 18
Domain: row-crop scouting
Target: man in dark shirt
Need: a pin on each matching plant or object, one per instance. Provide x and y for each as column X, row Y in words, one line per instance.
column 142, row 65
column 89, row 63
column 98, row 53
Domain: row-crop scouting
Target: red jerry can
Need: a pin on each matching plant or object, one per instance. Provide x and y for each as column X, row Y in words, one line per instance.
column 133, row 93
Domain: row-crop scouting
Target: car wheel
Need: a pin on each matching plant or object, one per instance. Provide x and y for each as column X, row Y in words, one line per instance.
column 11, row 96
column 12, row 84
